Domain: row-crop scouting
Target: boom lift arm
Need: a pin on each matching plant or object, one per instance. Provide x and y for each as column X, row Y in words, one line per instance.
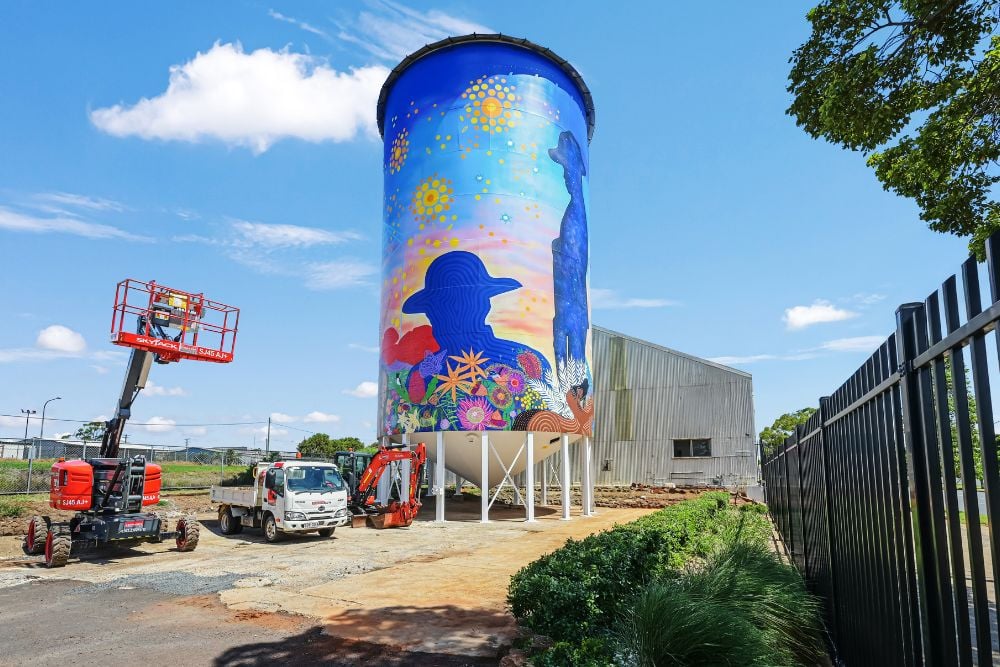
column 139, row 364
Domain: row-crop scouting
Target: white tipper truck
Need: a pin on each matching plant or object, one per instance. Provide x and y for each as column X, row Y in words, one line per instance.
column 297, row 496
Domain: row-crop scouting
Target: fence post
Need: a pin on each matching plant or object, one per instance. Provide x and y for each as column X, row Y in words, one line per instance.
column 932, row 619
column 31, row 457
column 828, row 500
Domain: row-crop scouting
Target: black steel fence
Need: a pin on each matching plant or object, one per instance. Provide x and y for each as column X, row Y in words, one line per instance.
column 888, row 496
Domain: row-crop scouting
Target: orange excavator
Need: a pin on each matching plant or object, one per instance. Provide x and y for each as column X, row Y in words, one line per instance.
column 399, row 512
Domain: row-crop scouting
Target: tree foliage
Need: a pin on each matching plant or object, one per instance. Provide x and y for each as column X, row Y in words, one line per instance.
column 916, row 86
column 90, row 432
column 321, row 445
column 774, row 435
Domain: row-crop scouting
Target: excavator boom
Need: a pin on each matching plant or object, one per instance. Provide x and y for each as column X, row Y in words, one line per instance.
column 398, row 513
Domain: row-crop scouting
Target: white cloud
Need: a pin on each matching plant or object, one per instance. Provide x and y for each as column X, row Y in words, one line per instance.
column 364, row 390
column 159, row 424
column 855, row 344
column 68, row 199
column 289, row 236
column 60, row 339
column 100, row 370
column 799, row 317
column 61, row 224
column 391, row 31
column 749, row 359
column 318, row 417
column 253, row 100
column 195, row 430
column 153, row 389
column 296, row 22
column 13, row 421
column 338, row 274
column 867, row 299
column 364, row 348
column 282, row 417
column 607, row 299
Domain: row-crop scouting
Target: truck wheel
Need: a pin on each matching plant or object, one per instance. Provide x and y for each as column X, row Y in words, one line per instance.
column 326, row 532
column 271, row 532
column 34, row 541
column 229, row 524
column 57, row 548
column 187, row 534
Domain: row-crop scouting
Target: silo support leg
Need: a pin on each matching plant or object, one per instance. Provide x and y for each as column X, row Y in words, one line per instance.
column 439, row 478
column 564, row 484
column 484, row 480
column 529, row 480
column 588, row 479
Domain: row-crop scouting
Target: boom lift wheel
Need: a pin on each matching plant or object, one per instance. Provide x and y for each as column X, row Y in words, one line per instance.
column 38, row 529
column 187, row 534
column 326, row 532
column 229, row 524
column 57, row 547
column 271, row 532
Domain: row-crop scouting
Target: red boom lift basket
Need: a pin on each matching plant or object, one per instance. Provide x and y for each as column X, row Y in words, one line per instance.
column 200, row 329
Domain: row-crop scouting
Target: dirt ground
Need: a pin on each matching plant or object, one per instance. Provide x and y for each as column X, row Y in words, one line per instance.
column 425, row 595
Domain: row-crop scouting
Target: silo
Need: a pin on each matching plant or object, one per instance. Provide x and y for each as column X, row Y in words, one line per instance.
column 485, row 321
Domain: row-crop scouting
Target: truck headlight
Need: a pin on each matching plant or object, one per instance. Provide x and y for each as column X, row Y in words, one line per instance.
column 295, row 516
column 341, row 512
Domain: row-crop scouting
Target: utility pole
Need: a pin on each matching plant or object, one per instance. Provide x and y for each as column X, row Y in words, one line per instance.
column 27, row 415
column 41, row 431
column 186, row 444
column 267, row 443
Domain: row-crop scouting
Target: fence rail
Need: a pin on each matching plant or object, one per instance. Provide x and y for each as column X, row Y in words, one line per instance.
column 24, row 464
column 878, row 495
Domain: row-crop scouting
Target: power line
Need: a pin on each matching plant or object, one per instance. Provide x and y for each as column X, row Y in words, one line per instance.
column 90, row 421
column 294, row 428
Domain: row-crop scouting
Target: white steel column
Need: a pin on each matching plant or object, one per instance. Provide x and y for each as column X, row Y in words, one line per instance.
column 484, row 481
column 588, row 479
column 529, row 481
column 565, row 476
column 545, row 481
column 459, row 481
column 439, row 478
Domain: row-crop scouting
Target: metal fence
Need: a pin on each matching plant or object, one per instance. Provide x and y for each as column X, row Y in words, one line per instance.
column 878, row 498
column 24, row 464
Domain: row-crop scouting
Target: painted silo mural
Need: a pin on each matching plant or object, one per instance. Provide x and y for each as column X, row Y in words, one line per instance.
column 485, row 316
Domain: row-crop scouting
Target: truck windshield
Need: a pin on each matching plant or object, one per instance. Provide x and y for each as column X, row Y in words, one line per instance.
column 313, row 478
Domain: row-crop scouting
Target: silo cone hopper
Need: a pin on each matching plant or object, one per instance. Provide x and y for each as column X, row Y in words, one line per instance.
column 485, row 317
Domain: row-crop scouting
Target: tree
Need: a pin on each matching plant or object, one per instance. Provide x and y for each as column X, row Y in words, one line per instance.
column 916, row 86
column 90, row 432
column 774, row 435
column 318, row 445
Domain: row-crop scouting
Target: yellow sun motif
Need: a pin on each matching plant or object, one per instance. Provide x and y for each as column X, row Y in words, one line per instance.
column 398, row 151
column 471, row 363
column 431, row 198
column 490, row 100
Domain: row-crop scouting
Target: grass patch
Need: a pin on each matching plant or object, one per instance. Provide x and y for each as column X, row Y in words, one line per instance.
column 11, row 508
column 983, row 519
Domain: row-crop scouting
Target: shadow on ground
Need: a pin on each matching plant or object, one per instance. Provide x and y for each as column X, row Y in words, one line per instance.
column 314, row 647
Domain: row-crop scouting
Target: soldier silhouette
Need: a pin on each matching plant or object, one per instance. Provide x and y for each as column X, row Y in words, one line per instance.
column 456, row 299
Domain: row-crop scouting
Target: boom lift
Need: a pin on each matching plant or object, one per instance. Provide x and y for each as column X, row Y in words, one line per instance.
column 109, row 492
column 399, row 512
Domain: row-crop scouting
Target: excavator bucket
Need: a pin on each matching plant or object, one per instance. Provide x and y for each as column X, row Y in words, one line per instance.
column 359, row 520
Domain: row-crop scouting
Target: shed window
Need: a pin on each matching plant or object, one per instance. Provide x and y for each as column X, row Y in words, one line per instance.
column 692, row 447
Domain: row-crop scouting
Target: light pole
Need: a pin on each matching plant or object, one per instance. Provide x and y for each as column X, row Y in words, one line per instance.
column 27, row 415
column 41, row 430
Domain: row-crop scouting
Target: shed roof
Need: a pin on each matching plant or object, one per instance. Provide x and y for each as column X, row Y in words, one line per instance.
column 668, row 350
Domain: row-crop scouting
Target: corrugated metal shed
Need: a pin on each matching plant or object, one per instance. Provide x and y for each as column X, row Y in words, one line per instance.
column 647, row 396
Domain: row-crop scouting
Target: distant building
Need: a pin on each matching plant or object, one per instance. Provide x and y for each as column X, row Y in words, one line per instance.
column 665, row 416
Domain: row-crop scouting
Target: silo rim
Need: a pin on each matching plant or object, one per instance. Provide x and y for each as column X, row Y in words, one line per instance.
column 397, row 71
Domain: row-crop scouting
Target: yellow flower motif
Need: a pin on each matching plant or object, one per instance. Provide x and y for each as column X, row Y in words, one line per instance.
column 454, row 382
column 490, row 100
column 432, row 197
column 398, row 151
column 471, row 364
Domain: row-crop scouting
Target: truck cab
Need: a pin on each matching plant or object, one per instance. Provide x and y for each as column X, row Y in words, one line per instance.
column 297, row 496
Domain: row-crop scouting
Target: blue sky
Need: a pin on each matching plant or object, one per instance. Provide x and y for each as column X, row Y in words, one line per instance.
column 718, row 228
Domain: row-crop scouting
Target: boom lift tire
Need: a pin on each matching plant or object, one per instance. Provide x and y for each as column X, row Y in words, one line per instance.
column 271, row 532
column 38, row 529
column 326, row 532
column 187, row 534
column 57, row 547
column 229, row 524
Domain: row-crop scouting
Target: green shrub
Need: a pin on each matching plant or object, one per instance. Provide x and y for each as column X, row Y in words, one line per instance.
column 743, row 607
column 590, row 652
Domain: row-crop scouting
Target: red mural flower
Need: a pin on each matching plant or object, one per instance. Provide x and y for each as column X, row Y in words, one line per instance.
column 530, row 364
column 411, row 348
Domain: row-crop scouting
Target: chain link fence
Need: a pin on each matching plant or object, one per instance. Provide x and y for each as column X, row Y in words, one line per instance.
column 25, row 464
